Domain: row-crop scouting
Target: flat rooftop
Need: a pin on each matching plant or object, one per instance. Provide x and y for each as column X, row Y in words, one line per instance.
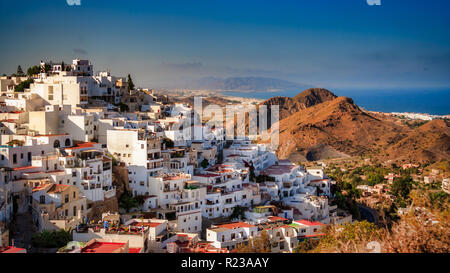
column 103, row 247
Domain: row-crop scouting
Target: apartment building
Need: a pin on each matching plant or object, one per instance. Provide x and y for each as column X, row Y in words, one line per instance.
column 230, row 235
column 56, row 206
column 141, row 153
column 179, row 200
column 226, row 188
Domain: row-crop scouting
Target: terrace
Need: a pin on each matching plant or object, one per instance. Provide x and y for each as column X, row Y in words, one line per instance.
column 113, row 228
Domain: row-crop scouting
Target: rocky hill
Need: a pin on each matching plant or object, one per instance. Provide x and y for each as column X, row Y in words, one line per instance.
column 316, row 125
column 305, row 99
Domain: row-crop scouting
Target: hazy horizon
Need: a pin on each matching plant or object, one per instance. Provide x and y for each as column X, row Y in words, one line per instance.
column 323, row 43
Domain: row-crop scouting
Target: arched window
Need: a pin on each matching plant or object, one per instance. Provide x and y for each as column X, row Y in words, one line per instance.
column 67, row 142
column 56, row 144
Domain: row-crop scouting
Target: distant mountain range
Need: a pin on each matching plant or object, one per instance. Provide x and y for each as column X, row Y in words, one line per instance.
column 245, row 84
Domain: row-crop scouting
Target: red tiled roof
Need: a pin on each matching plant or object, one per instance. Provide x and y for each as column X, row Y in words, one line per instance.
column 277, row 218
column 38, row 188
column 235, row 225
column 278, row 169
column 145, row 224
column 207, row 175
column 314, row 235
column 82, row 146
column 25, row 168
column 308, row 223
column 57, row 188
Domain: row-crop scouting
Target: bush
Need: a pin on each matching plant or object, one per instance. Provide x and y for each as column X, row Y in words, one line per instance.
column 348, row 238
column 169, row 143
column 258, row 244
column 204, row 163
column 51, row 239
column 127, row 201
column 24, row 85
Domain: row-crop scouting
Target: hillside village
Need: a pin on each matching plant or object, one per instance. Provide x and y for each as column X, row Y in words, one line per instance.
column 90, row 156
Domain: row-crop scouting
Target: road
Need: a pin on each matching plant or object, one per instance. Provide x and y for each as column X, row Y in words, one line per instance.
column 24, row 228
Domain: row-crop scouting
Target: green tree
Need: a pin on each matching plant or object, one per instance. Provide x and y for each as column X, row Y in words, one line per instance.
column 33, row 70
column 123, row 107
column 130, row 83
column 20, row 71
column 238, row 212
column 205, row 163
column 401, row 187
column 169, row 143
column 127, row 202
column 23, row 85
column 51, row 239
column 375, row 178
column 47, row 68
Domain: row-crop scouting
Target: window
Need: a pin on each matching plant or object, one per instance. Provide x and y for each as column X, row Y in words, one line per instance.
column 42, row 199
column 67, row 143
column 56, row 144
column 14, row 159
column 66, row 198
column 50, row 93
column 75, row 211
column 74, row 195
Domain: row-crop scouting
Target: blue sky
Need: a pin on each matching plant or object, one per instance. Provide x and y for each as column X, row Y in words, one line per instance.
column 325, row 43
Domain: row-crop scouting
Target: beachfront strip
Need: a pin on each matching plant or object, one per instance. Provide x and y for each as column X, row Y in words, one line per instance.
column 73, row 142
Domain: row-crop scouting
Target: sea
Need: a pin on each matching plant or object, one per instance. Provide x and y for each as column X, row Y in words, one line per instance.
column 425, row 101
